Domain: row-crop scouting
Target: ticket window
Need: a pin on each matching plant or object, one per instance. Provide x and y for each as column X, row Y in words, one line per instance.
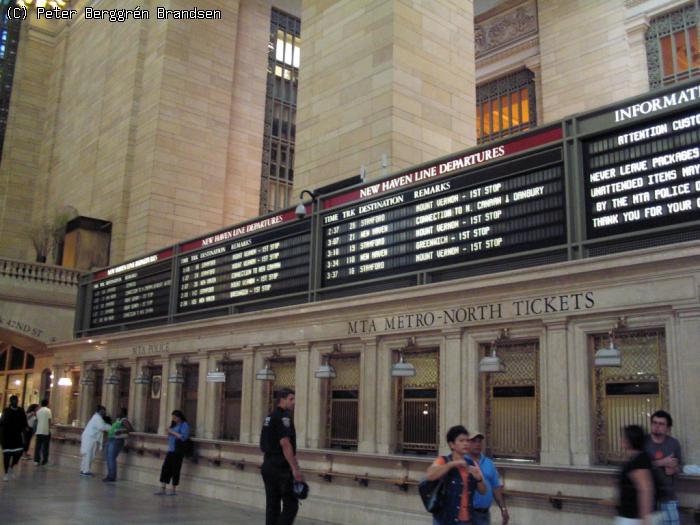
column 231, row 401
column 511, row 406
column 629, row 394
column 418, row 405
column 343, row 397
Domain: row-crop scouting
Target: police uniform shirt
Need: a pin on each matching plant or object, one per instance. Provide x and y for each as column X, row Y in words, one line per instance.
column 277, row 425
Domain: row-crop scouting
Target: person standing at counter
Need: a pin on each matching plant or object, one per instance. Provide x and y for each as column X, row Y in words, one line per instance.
column 91, row 438
column 178, row 434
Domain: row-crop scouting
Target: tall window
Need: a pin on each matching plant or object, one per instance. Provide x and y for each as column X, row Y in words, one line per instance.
column 190, row 388
column 285, row 370
column 280, row 112
column 343, row 402
column 9, row 39
column 673, row 49
column 511, row 408
column 505, row 106
column 231, row 401
column 155, row 374
column 418, row 404
column 628, row 395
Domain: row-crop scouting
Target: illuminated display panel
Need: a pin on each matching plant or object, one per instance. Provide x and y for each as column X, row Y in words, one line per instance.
column 133, row 291
column 643, row 176
column 497, row 210
column 274, row 262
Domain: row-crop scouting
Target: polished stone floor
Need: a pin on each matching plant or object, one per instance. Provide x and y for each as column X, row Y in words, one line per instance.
column 57, row 496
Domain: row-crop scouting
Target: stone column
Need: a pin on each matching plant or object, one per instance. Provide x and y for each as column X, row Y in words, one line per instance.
column 638, row 74
column 85, row 402
column 131, row 365
column 138, row 394
column 452, row 381
column 110, row 393
column 209, row 404
column 684, row 389
column 247, row 394
column 554, row 399
column 170, row 394
column 406, row 94
column 259, row 405
column 386, row 401
column 307, row 394
column 471, row 407
column 367, row 432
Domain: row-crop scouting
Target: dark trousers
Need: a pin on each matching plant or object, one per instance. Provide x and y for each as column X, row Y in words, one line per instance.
column 27, row 437
column 170, row 473
column 11, row 459
column 278, row 490
column 41, row 448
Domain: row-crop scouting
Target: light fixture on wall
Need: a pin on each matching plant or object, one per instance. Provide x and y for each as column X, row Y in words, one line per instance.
column 326, row 370
column 143, row 378
column 65, row 380
column 266, row 373
column 113, row 377
column 215, row 376
column 176, row 377
column 492, row 364
column 402, row 368
column 300, row 210
column 610, row 355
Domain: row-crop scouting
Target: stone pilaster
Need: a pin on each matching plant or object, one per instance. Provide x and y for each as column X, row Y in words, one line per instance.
column 247, row 395
column 451, row 375
column 308, row 414
column 368, row 397
column 386, row 401
column 554, row 407
column 209, row 404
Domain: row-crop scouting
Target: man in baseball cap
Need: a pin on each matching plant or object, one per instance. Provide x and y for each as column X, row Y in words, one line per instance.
column 482, row 502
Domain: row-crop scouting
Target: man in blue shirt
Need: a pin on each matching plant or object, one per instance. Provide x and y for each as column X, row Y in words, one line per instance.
column 482, row 502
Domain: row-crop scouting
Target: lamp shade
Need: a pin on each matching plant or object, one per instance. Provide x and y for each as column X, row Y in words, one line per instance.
column 265, row 374
column 609, row 356
column 215, row 376
column 65, row 381
column 325, row 371
column 403, row 369
column 491, row 364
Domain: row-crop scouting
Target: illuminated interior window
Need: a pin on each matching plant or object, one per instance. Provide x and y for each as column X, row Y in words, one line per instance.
column 673, row 48
column 505, row 106
column 277, row 177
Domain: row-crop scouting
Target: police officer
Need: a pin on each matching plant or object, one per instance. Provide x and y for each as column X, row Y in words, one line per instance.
column 280, row 469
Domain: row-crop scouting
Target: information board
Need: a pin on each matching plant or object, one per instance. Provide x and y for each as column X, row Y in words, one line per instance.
column 273, row 262
column 643, row 176
column 133, row 291
column 481, row 213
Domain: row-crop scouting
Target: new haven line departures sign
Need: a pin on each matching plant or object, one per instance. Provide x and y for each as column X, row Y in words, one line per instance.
column 632, row 172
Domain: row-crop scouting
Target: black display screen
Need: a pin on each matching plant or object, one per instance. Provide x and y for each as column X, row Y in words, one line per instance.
column 481, row 213
column 275, row 262
column 644, row 176
column 131, row 295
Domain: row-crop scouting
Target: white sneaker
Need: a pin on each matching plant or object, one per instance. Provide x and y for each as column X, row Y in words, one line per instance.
column 11, row 474
column 6, row 477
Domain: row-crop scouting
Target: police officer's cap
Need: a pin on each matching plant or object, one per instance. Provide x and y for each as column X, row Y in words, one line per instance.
column 301, row 489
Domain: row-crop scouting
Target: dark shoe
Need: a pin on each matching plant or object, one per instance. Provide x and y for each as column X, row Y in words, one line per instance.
column 109, row 479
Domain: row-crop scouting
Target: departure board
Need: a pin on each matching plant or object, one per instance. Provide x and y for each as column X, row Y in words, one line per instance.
column 133, row 291
column 478, row 214
column 644, row 176
column 274, row 262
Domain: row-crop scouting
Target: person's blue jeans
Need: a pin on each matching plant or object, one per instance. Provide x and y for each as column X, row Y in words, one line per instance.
column 114, row 447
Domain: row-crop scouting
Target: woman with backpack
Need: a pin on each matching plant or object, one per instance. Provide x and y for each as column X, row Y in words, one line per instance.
column 178, row 434
column 461, row 478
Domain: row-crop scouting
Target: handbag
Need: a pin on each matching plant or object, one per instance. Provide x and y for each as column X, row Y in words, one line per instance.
column 432, row 493
column 185, row 448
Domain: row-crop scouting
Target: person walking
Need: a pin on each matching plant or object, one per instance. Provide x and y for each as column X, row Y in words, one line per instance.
column 116, row 439
column 178, row 433
column 31, row 429
column 13, row 423
column 464, row 478
column 665, row 454
column 280, row 469
column 43, row 434
column 494, row 486
column 635, row 482
column 91, row 439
